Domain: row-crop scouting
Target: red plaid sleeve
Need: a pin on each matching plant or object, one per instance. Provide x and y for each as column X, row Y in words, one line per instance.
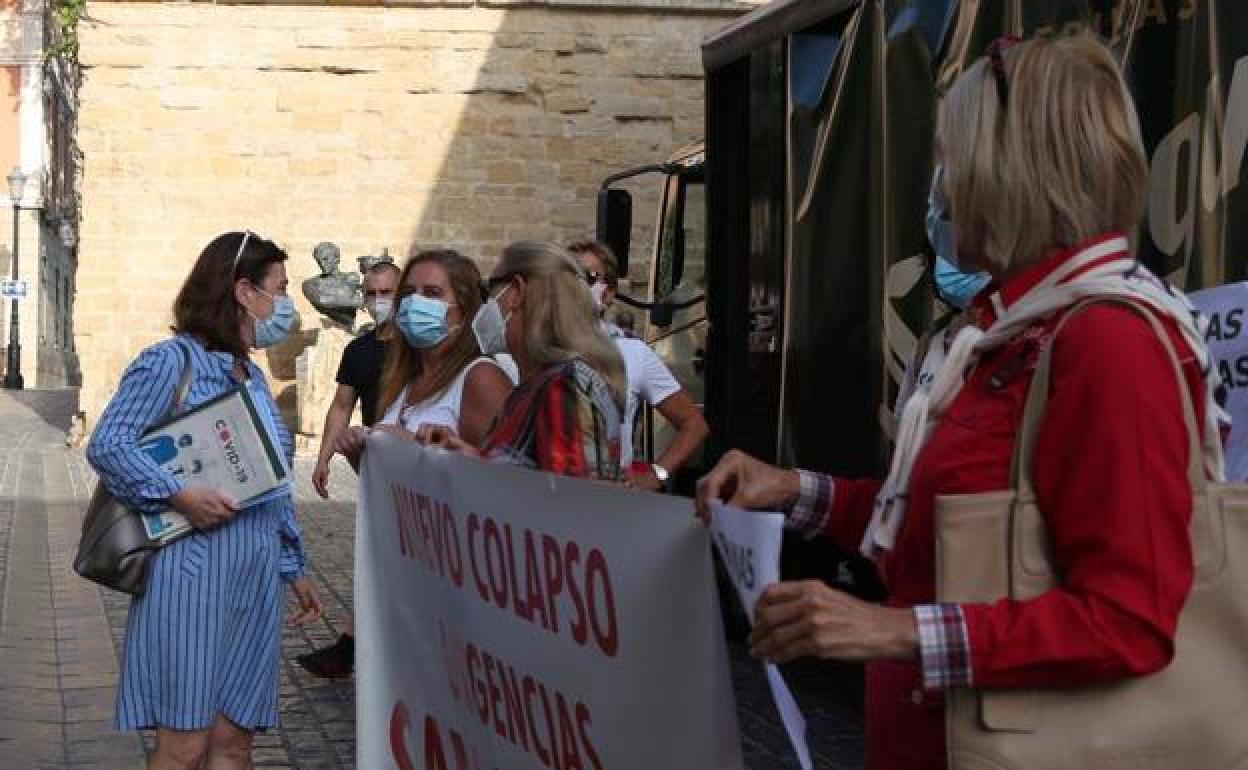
column 559, row 430
column 813, row 508
column 943, row 646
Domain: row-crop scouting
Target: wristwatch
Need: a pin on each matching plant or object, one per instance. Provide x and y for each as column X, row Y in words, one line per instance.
column 660, row 473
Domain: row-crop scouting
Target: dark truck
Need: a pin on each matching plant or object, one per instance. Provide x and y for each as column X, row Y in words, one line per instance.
column 788, row 282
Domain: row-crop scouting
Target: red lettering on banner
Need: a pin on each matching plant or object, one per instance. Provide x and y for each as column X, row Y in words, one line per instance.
column 550, row 573
column 435, row 757
column 403, row 521
column 399, row 720
column 543, row 721
column 516, row 723
column 533, row 581
column 461, row 751
column 567, row 736
column 428, row 533
column 474, row 526
column 583, row 724
column 571, row 558
column 550, row 727
column 530, row 689
column 608, row 640
column 554, row 577
column 454, row 558
column 432, row 556
column 521, row 607
column 498, row 589
column 483, row 706
column 496, row 697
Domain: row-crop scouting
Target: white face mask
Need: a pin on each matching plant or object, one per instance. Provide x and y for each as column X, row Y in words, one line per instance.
column 490, row 326
column 598, row 291
column 381, row 309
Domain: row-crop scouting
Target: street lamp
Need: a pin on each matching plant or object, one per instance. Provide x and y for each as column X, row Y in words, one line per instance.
column 13, row 372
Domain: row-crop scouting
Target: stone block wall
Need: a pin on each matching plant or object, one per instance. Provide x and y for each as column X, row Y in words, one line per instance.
column 459, row 123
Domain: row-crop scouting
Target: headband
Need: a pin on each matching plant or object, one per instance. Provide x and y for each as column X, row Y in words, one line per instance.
column 241, row 246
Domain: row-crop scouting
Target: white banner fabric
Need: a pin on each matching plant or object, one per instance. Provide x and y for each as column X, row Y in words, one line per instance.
column 513, row 620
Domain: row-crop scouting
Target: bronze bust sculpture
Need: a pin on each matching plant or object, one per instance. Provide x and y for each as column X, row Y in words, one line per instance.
column 333, row 293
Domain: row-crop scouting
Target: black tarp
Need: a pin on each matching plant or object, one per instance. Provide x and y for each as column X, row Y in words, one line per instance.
column 829, row 190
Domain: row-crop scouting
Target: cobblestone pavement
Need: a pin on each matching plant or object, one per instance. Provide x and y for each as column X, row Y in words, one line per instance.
column 59, row 635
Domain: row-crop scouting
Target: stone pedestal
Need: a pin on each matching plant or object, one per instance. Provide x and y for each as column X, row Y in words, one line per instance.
column 316, row 370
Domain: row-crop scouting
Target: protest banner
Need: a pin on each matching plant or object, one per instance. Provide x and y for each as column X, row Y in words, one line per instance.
column 514, row 620
column 1226, row 313
column 749, row 545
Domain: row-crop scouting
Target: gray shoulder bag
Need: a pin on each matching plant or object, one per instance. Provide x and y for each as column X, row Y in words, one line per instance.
column 114, row 548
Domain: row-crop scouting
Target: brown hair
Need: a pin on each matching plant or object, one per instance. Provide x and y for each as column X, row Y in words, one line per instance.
column 560, row 317
column 1064, row 164
column 205, row 306
column 604, row 254
column 404, row 364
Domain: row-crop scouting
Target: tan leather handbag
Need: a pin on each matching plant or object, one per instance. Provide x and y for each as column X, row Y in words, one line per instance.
column 1193, row 715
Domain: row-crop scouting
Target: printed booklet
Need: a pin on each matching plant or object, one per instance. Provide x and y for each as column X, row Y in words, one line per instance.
column 223, row 444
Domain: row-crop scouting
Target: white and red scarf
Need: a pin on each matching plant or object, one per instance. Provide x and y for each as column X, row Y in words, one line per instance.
column 1104, row 269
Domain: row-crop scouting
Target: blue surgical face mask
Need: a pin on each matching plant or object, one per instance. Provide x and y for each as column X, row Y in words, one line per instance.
column 956, row 287
column 277, row 327
column 952, row 282
column 422, row 320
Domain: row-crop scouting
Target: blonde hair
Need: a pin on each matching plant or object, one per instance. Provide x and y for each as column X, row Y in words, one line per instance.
column 405, row 364
column 561, row 322
column 1065, row 165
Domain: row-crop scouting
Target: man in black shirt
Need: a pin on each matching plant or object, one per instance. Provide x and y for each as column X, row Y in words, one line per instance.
column 359, row 378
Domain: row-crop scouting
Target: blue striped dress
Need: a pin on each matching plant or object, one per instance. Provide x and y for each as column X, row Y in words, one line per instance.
column 205, row 636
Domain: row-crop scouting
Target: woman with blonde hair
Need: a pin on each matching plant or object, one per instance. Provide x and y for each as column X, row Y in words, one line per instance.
column 1042, row 165
column 434, row 374
column 565, row 415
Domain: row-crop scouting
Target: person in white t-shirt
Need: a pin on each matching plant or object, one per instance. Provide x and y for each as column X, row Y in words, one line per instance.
column 435, row 374
column 649, row 382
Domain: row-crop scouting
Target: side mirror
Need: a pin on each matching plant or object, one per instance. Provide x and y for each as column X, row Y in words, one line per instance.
column 662, row 313
column 615, row 223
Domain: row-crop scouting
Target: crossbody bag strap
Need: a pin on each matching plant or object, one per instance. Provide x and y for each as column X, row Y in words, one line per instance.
column 1022, row 470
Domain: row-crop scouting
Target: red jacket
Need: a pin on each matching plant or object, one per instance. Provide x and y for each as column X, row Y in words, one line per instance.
column 1110, row 476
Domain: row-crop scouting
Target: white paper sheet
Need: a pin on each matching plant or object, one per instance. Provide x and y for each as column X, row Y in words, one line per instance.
column 749, row 543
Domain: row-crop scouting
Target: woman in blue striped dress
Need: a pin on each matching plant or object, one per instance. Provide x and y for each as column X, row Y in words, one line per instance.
column 203, row 642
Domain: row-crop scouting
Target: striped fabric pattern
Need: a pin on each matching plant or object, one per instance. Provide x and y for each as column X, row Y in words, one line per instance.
column 204, row 638
column 563, row 420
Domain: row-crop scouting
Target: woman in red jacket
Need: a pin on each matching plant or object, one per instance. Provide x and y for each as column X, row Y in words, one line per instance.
column 1042, row 164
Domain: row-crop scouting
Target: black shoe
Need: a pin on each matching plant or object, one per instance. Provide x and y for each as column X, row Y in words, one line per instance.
column 333, row 662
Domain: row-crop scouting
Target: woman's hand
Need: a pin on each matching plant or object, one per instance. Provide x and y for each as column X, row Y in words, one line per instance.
column 643, row 479
column 204, row 508
column 396, row 430
column 809, row 619
column 350, row 443
column 309, row 601
column 740, row 480
column 443, row 437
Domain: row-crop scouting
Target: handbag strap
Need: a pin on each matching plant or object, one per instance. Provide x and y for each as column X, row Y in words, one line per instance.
column 1021, row 472
column 184, row 381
